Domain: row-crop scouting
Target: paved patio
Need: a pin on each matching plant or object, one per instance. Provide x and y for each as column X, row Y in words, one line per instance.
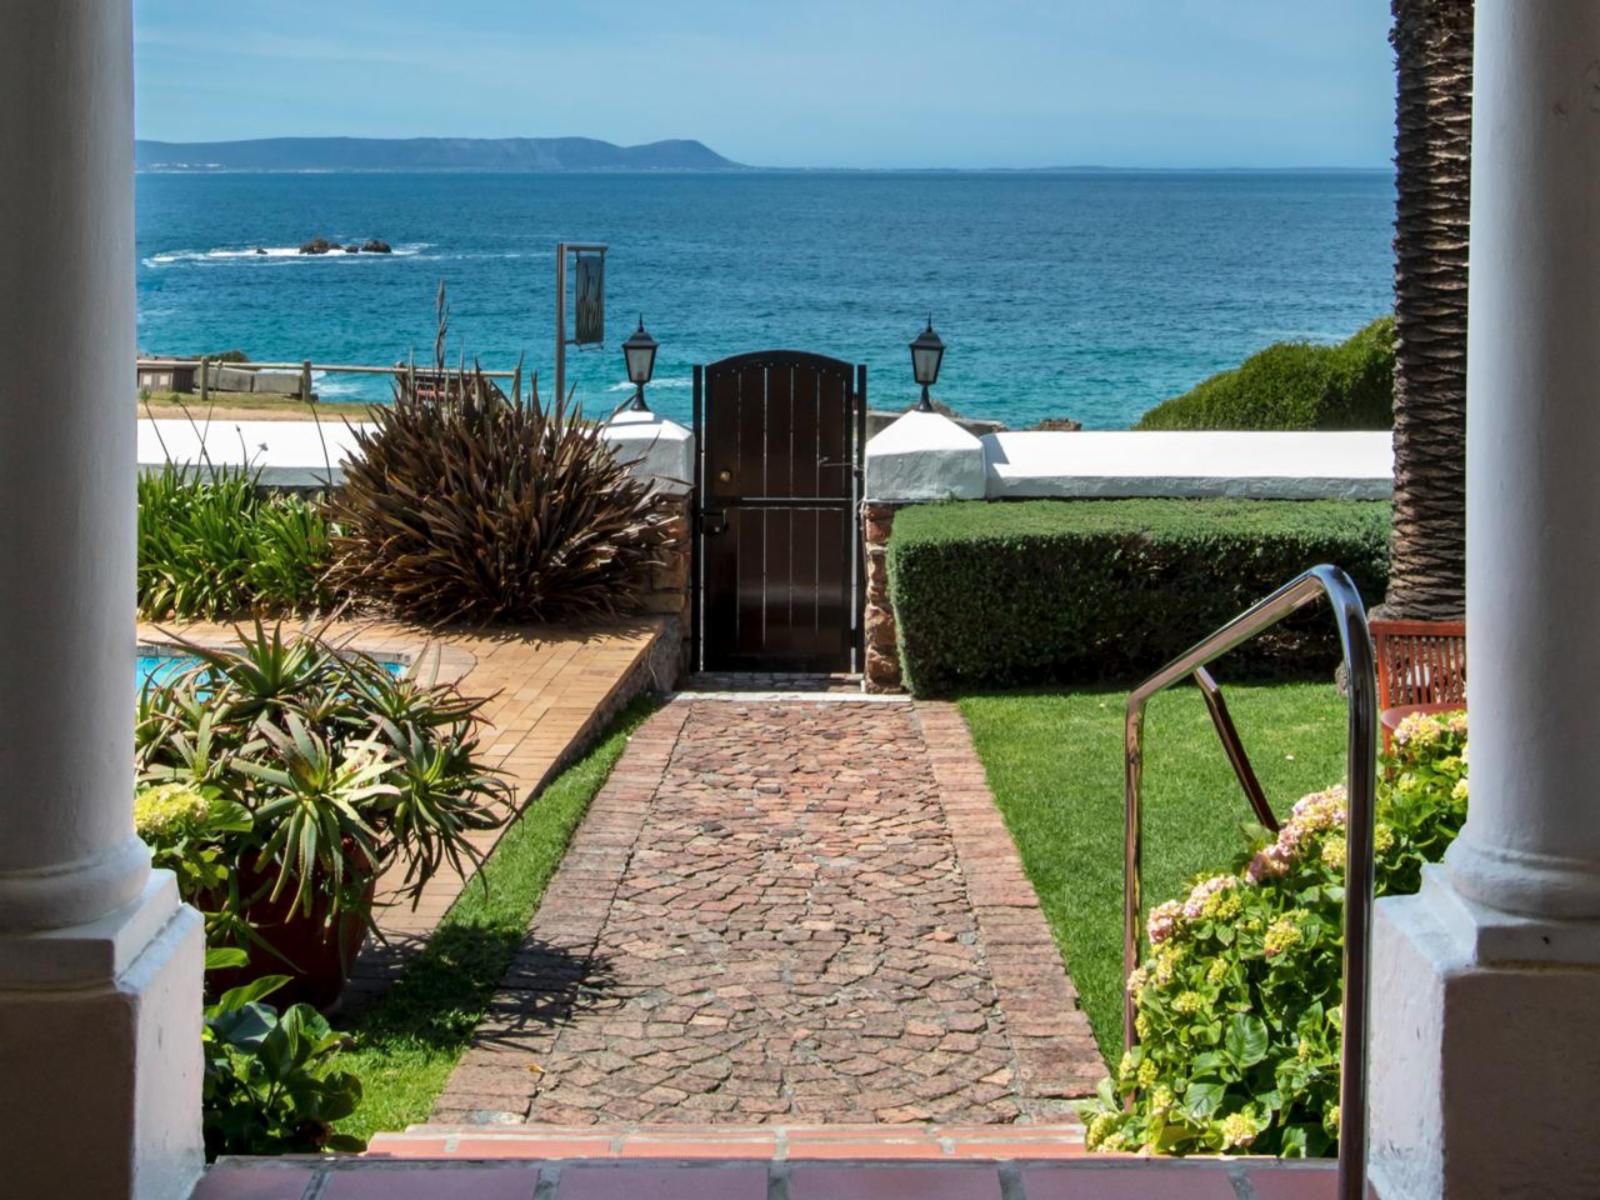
column 786, row 911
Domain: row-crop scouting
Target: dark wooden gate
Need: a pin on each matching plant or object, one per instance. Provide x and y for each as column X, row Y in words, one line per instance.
column 778, row 437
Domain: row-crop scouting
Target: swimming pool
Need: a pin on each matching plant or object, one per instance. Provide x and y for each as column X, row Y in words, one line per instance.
column 162, row 667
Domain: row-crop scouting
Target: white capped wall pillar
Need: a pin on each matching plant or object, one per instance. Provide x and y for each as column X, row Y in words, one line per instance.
column 99, row 963
column 1487, row 984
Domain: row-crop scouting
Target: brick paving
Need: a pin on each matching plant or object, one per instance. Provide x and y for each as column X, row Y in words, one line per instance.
column 548, row 691
column 785, row 912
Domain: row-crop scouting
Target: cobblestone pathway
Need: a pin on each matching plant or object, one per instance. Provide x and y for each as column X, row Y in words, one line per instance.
column 791, row 912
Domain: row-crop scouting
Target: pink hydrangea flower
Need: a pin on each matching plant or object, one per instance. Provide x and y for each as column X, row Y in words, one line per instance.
column 1163, row 920
column 1194, row 906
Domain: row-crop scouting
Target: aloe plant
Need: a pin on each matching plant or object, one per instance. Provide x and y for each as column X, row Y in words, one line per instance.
column 341, row 768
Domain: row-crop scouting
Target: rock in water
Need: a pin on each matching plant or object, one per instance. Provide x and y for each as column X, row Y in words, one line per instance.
column 352, row 249
column 1059, row 425
column 260, row 250
column 316, row 246
column 377, row 246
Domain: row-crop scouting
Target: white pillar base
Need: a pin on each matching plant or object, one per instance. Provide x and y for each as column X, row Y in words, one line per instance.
column 100, row 1060
column 1485, row 1065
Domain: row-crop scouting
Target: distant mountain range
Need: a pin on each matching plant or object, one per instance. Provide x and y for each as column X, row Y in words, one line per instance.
column 427, row 154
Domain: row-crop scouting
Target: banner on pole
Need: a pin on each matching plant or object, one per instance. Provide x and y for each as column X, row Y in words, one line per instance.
column 589, row 301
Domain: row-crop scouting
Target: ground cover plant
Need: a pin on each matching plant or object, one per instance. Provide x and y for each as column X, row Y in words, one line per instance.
column 405, row 1046
column 1238, row 1006
column 270, row 1084
column 213, row 545
column 1294, row 385
column 1064, row 591
column 468, row 504
column 1054, row 764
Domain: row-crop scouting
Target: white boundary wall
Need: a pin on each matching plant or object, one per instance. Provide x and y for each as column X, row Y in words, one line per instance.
column 921, row 457
column 295, row 454
column 924, row 456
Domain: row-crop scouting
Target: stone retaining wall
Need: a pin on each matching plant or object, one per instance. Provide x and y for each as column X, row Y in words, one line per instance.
column 881, row 672
column 668, row 588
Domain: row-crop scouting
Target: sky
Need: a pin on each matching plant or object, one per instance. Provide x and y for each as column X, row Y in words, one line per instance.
column 796, row 83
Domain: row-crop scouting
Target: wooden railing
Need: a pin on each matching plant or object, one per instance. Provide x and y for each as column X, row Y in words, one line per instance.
column 205, row 365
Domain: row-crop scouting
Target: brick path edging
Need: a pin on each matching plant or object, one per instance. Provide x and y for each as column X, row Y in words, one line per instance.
column 492, row 1076
column 1057, row 1054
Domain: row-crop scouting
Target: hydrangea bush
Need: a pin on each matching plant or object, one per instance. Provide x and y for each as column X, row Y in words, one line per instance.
column 1238, row 1006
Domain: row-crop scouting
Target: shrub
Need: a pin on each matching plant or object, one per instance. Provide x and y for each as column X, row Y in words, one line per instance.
column 286, row 769
column 990, row 595
column 465, row 504
column 212, row 545
column 1294, row 385
column 1238, row 1006
column 270, row 1085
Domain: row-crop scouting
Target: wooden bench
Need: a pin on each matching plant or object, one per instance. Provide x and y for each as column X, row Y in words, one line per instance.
column 1422, row 668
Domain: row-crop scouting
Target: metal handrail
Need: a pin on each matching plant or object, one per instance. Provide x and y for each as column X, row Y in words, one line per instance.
column 1362, row 769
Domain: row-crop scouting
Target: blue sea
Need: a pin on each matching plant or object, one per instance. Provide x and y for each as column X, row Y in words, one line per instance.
column 1092, row 295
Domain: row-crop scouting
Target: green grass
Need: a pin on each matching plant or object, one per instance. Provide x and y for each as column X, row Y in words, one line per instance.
column 409, row 1041
column 1055, row 766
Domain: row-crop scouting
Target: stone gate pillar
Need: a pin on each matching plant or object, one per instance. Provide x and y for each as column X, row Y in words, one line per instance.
column 100, row 966
column 1486, row 1067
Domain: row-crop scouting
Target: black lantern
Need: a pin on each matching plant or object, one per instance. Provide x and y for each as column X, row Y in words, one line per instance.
column 639, row 351
column 926, row 354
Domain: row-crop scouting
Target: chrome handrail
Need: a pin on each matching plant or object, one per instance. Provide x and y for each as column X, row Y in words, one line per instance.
column 1361, row 766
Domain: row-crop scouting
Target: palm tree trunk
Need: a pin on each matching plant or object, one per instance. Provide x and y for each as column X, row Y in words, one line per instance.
column 1432, row 40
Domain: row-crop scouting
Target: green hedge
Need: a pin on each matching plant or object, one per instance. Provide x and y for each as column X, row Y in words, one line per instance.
column 1294, row 385
column 994, row 595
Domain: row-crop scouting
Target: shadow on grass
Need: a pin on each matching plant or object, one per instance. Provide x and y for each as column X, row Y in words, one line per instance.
column 452, row 986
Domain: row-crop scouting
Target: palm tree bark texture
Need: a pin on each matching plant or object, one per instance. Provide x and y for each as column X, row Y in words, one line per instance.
column 1432, row 41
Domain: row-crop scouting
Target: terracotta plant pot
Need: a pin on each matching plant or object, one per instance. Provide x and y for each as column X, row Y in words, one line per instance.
column 320, row 951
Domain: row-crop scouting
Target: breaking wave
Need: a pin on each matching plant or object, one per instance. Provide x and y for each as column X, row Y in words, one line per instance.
column 224, row 253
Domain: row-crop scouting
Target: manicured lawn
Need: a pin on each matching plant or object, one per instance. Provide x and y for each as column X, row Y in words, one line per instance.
column 1055, row 765
column 409, row 1041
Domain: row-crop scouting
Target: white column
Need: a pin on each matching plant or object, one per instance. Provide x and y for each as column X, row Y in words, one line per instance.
column 99, row 964
column 1533, row 463
column 1487, row 984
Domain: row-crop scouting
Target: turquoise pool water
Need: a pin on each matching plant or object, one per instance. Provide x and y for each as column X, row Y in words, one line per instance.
column 162, row 667
column 159, row 667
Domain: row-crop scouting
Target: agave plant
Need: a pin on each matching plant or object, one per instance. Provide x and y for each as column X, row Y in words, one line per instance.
column 466, row 504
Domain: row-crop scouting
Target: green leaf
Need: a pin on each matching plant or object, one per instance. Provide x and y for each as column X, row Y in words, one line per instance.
column 1246, row 1040
column 249, row 993
column 244, row 1027
column 220, row 958
column 1294, row 1142
column 1201, row 1100
column 1207, row 1063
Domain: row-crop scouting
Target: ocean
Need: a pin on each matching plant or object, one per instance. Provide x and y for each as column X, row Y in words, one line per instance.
column 1091, row 295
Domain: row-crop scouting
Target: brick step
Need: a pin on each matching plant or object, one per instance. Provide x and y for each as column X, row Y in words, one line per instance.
column 1081, row 1177
column 745, row 1142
